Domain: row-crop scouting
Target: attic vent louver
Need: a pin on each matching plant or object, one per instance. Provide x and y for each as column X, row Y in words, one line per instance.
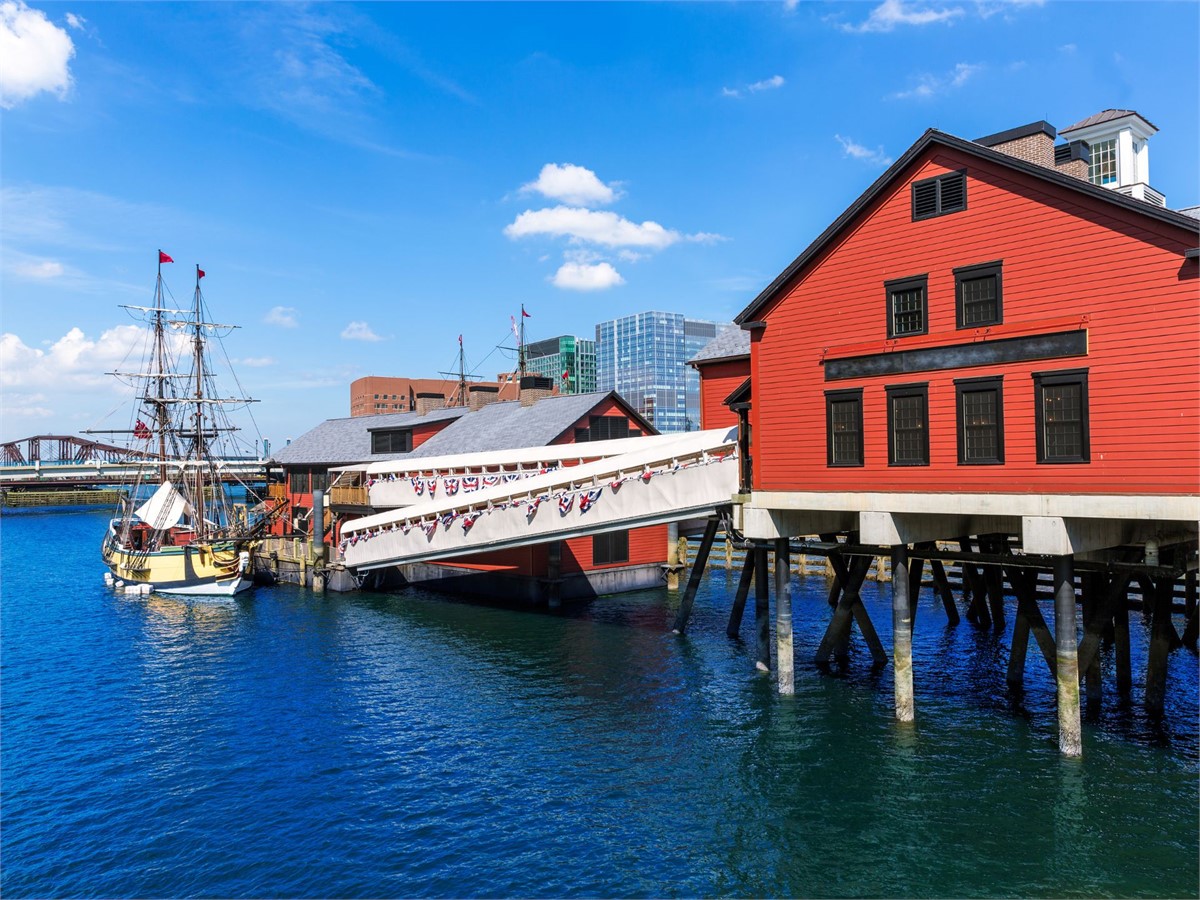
column 938, row 196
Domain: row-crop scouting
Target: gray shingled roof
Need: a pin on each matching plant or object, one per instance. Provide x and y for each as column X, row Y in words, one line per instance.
column 505, row 426
column 344, row 441
column 728, row 344
column 1193, row 211
column 1107, row 115
column 497, row 426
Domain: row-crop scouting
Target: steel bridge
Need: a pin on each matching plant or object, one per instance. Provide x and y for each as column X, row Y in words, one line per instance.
column 56, row 460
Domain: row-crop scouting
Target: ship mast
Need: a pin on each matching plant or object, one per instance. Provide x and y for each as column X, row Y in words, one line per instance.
column 198, row 363
column 160, row 368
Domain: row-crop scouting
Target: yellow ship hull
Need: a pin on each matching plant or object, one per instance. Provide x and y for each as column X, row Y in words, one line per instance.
column 199, row 568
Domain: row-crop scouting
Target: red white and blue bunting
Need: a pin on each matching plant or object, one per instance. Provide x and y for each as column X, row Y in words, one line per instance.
column 588, row 497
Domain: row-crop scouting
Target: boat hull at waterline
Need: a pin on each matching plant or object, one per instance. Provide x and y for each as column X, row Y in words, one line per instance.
column 201, row 569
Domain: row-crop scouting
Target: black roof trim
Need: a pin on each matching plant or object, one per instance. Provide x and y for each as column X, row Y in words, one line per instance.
column 741, row 394
column 1194, row 253
column 750, row 326
column 697, row 363
column 932, row 136
column 1015, row 134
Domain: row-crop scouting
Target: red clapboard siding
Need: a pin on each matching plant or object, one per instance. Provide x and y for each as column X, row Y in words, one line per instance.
column 1066, row 257
column 717, row 381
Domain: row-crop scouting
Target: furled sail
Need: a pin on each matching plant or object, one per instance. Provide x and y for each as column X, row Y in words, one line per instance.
column 165, row 508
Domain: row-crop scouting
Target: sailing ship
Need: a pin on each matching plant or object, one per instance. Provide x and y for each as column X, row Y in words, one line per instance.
column 186, row 537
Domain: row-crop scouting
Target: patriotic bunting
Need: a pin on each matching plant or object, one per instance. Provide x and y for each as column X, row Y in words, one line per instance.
column 491, row 480
column 448, row 518
column 429, row 527
column 511, row 476
column 432, row 485
column 565, row 502
column 418, row 486
column 468, row 520
column 588, row 500
column 470, row 483
column 451, row 486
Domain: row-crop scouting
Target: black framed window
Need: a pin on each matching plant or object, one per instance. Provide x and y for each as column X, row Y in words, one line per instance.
column 906, row 306
column 979, row 297
column 908, row 424
column 844, row 427
column 938, row 196
column 397, row 441
column 1061, row 411
column 980, row 404
column 610, row 547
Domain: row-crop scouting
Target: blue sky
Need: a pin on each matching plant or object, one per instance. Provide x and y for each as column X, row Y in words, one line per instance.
column 363, row 183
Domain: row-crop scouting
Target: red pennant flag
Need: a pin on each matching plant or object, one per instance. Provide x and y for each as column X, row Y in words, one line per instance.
column 460, row 340
column 162, row 258
column 524, row 314
column 566, row 372
column 199, row 273
column 141, row 430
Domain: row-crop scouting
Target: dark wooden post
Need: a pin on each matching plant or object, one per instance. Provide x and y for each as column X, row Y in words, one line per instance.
column 762, row 611
column 1161, row 632
column 1066, row 641
column 942, row 585
column 902, row 634
column 689, row 594
column 1191, row 628
column 1094, row 586
column 784, row 661
column 554, row 574
column 743, row 591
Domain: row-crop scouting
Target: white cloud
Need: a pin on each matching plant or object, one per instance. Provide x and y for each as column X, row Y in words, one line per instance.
column 359, row 331
column 890, row 13
column 581, row 277
column 571, row 184
column 40, row 270
column 76, row 22
column 932, row 85
column 283, row 316
column 36, row 53
column 590, row 226
column 17, row 405
column 767, row 84
column 257, row 362
column 855, row 150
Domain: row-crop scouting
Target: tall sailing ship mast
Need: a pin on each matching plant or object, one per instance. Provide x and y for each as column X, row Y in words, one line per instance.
column 187, row 537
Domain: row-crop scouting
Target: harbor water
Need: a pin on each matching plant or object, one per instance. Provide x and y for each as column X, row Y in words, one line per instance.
column 367, row 745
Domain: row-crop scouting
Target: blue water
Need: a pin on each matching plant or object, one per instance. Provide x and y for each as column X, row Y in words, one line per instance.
column 367, row 745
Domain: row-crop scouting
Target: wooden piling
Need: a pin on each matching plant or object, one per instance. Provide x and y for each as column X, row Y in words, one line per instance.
column 942, row 585
column 1070, row 728
column 697, row 573
column 1161, row 632
column 1094, row 587
column 1121, row 654
column 743, row 591
column 902, row 635
column 1191, row 628
column 762, row 613
column 785, row 664
column 554, row 575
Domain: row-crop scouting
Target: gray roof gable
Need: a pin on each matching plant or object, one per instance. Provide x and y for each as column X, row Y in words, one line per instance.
column 508, row 425
column 344, row 441
column 731, row 343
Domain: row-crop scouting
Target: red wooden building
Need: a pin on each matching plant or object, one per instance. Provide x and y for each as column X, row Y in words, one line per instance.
column 985, row 342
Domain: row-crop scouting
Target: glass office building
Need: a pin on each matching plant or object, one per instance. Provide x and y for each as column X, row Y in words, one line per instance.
column 644, row 358
column 569, row 361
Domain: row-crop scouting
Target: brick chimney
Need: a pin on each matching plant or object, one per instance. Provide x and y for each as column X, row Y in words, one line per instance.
column 1033, row 143
column 480, row 395
column 534, row 388
column 1073, row 159
column 427, row 402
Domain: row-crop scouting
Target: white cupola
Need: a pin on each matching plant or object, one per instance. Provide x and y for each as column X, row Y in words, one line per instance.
column 1118, row 141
